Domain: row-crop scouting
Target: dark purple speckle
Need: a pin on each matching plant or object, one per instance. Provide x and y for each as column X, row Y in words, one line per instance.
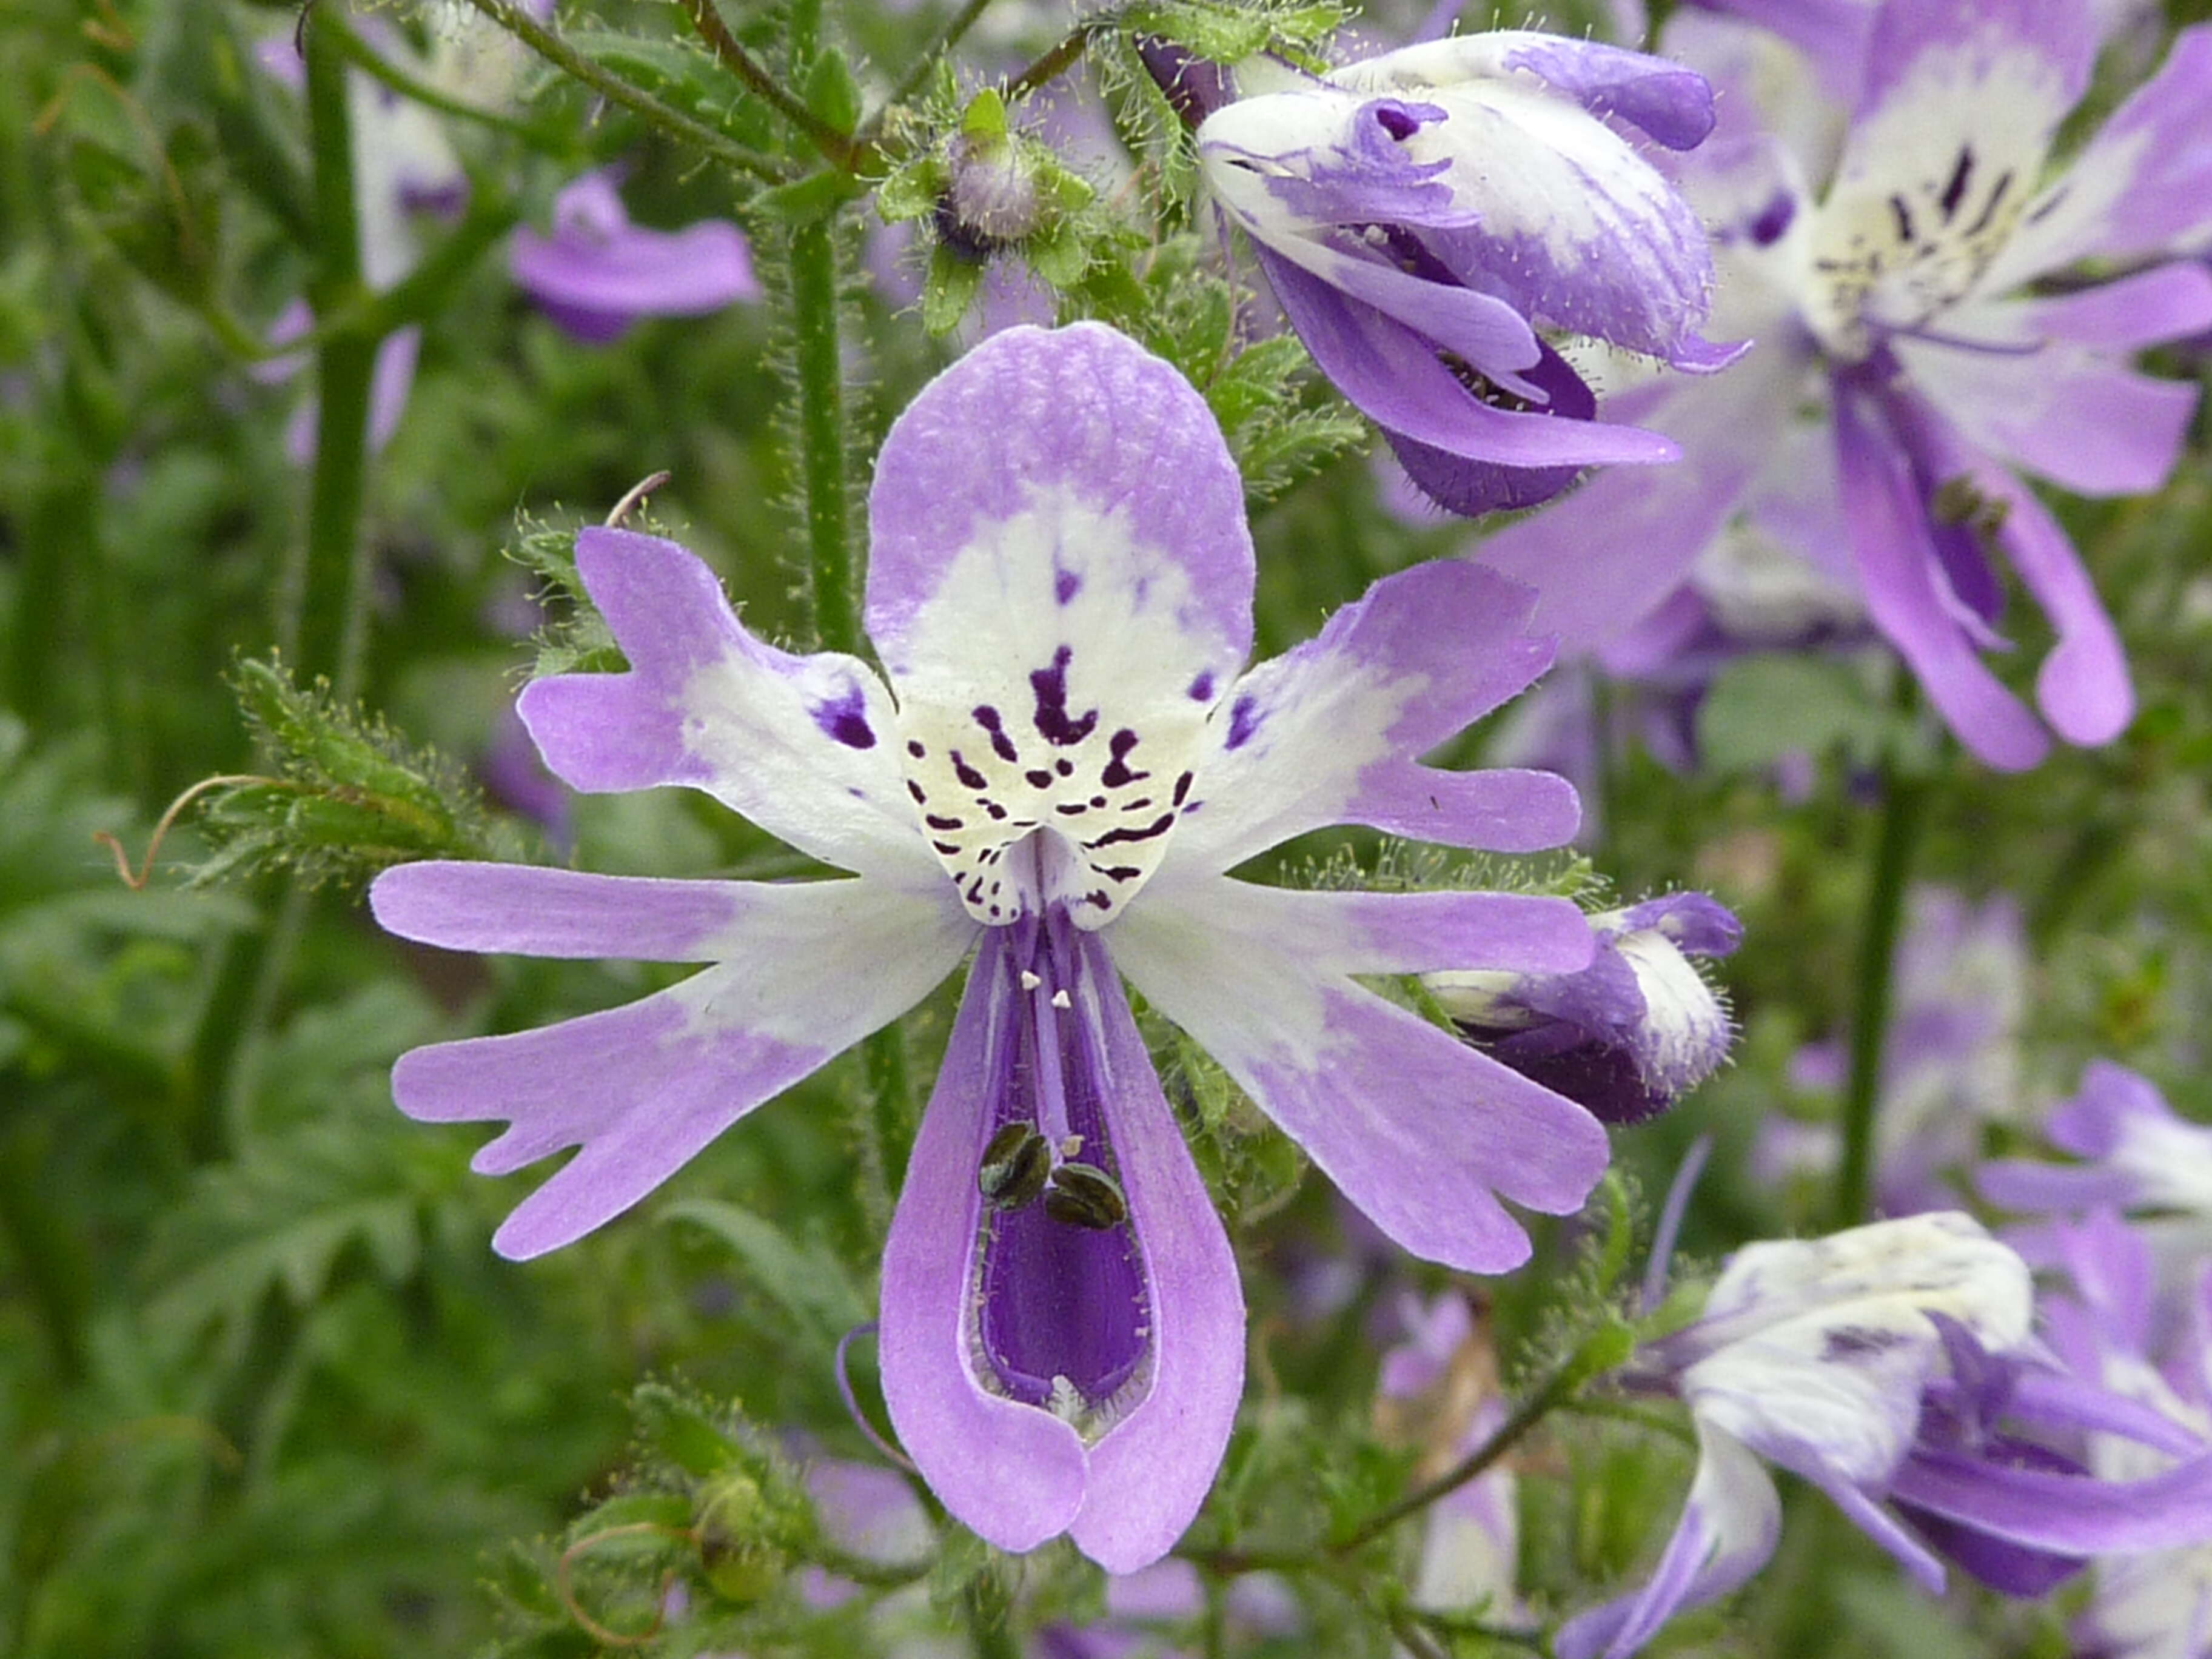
column 1065, row 585
column 1050, row 686
column 1001, row 744
column 1773, row 220
column 1393, row 119
column 846, row 720
column 1117, row 772
column 1243, row 721
column 1201, row 689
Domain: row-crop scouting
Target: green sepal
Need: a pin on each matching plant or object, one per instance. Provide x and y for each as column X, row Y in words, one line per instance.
column 912, row 191
column 985, row 118
column 948, row 290
column 831, row 92
column 1059, row 257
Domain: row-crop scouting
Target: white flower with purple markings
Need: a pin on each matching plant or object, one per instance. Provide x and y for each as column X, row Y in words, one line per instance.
column 1420, row 214
column 1925, row 334
column 1894, row 1367
column 1062, row 759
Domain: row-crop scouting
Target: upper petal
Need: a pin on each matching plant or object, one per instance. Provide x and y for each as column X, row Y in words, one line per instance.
column 1060, row 588
column 799, row 744
column 1331, row 732
column 1670, row 104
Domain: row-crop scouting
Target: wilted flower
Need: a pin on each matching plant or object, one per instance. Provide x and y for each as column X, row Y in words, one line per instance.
column 598, row 273
column 1906, row 366
column 1893, row 1366
column 1627, row 1035
column 1420, row 214
column 1064, row 765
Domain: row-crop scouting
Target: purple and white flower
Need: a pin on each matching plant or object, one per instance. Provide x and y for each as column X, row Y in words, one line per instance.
column 1628, row 1036
column 1062, row 760
column 1420, row 214
column 2155, row 1606
column 1892, row 1365
column 596, row 273
column 1908, row 366
column 2137, row 1154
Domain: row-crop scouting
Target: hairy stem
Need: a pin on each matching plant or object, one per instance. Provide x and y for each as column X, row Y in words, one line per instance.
column 1904, row 811
column 1060, row 59
column 822, row 437
column 840, row 150
column 634, row 99
column 949, row 37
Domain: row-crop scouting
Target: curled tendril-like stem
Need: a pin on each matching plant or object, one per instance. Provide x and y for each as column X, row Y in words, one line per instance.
column 633, row 497
column 136, row 882
column 564, row 1587
column 852, row 1402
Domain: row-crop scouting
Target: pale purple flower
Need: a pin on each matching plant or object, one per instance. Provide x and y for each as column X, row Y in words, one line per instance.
column 2136, row 1153
column 1628, row 1036
column 1893, row 1366
column 1420, row 215
column 1065, row 761
column 2154, row 1605
column 598, row 273
column 1908, row 364
column 1950, row 1058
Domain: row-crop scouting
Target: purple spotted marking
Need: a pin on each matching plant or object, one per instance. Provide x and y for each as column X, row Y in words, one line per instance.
column 1065, row 585
column 1117, row 773
column 1201, row 689
column 1050, row 686
column 1396, row 120
column 1243, row 721
column 1001, row 744
column 847, row 720
column 1774, row 220
column 969, row 776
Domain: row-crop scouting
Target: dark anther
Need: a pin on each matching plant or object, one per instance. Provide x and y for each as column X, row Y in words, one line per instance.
column 1016, row 1162
column 1085, row 1195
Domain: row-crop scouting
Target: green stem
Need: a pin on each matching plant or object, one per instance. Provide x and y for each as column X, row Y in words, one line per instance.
column 1555, row 1391
column 378, row 67
column 822, row 436
column 949, row 37
column 890, row 1102
column 840, row 150
column 1905, row 800
column 673, row 122
column 1060, row 59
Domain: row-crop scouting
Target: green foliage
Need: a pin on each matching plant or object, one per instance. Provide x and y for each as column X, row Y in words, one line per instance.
column 350, row 797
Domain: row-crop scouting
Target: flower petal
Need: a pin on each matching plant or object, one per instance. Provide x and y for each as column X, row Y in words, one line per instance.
column 1604, row 559
column 1331, row 732
column 2142, row 185
column 2065, row 1514
column 800, row 745
column 1729, row 1526
column 1012, row 1472
column 1060, row 587
column 1393, row 376
column 812, row 969
column 1890, row 540
column 1416, row 1129
column 2065, row 412
column 1672, row 104
column 1151, row 1471
column 532, row 911
column 597, row 273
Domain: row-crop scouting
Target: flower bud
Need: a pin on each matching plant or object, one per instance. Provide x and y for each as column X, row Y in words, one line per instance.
column 1627, row 1035
column 991, row 198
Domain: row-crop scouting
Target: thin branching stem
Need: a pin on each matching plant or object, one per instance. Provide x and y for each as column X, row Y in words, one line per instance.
column 947, row 38
column 1059, row 60
column 840, row 150
column 604, row 81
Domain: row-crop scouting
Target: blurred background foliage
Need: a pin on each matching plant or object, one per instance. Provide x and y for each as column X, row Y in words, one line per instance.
column 263, row 1388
